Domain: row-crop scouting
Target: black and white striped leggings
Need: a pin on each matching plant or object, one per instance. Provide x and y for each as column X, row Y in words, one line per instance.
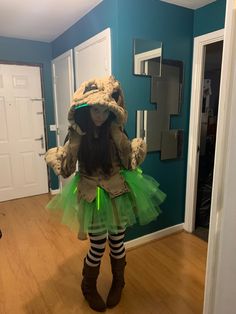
column 98, row 244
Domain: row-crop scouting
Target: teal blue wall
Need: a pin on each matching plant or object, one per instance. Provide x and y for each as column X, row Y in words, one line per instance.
column 209, row 18
column 34, row 52
column 173, row 26
column 102, row 17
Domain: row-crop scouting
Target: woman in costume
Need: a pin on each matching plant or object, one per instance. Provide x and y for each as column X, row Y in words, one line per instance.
column 108, row 192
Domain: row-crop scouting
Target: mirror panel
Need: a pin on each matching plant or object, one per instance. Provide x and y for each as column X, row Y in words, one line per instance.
column 167, row 89
column 154, row 125
column 171, row 144
column 147, row 57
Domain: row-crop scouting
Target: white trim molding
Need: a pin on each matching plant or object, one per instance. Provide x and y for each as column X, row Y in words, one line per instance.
column 54, row 192
column 194, row 126
column 153, row 236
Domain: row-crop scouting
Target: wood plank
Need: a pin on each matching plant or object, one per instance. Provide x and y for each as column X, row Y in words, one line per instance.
column 41, row 262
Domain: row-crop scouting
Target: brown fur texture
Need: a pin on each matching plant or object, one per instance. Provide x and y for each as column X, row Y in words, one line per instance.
column 138, row 152
column 105, row 92
column 99, row 91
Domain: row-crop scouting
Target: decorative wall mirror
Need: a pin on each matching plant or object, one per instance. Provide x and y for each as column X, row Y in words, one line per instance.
column 154, row 125
column 147, row 57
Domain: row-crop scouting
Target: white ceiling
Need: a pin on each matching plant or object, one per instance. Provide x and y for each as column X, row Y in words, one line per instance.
column 191, row 4
column 41, row 20
column 45, row 20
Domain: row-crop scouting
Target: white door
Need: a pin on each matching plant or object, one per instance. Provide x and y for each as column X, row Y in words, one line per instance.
column 23, row 171
column 93, row 57
column 63, row 88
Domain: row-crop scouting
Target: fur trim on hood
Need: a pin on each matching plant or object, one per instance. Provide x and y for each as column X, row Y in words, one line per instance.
column 99, row 91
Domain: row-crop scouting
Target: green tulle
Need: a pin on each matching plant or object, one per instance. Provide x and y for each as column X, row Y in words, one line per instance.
column 140, row 205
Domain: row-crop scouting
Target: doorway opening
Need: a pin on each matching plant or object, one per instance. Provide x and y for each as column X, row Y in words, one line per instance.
column 201, row 54
column 208, row 127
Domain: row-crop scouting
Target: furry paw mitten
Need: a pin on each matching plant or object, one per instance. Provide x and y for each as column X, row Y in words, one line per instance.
column 138, row 152
column 54, row 157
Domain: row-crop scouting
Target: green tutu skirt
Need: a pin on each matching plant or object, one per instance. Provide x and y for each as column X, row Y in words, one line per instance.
column 140, row 205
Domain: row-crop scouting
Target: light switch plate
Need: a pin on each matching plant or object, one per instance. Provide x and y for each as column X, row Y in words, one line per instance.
column 53, row 127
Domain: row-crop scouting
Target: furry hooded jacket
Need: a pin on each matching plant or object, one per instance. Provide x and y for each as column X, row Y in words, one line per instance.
column 129, row 154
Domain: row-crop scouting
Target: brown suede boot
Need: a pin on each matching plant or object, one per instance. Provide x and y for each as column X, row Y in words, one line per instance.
column 118, row 282
column 89, row 288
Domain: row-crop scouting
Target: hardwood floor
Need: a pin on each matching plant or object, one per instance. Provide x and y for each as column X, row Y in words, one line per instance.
column 41, row 262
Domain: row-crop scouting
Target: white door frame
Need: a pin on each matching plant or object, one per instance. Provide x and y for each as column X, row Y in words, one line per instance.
column 68, row 55
column 194, row 127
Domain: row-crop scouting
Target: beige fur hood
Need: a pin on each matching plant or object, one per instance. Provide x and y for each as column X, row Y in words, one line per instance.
column 99, row 91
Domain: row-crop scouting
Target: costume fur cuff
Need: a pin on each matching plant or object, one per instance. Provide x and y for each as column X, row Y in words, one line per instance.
column 138, row 152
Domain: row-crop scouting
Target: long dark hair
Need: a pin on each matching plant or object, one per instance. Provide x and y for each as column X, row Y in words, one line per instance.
column 95, row 147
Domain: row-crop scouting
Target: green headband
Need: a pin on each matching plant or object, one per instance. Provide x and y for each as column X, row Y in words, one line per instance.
column 81, row 106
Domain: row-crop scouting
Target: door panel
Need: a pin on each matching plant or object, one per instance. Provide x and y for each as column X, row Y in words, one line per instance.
column 22, row 137
column 5, row 170
column 3, row 121
column 63, row 87
column 93, row 57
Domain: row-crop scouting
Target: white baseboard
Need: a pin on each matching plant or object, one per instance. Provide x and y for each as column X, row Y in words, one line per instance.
column 53, row 192
column 153, row 236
